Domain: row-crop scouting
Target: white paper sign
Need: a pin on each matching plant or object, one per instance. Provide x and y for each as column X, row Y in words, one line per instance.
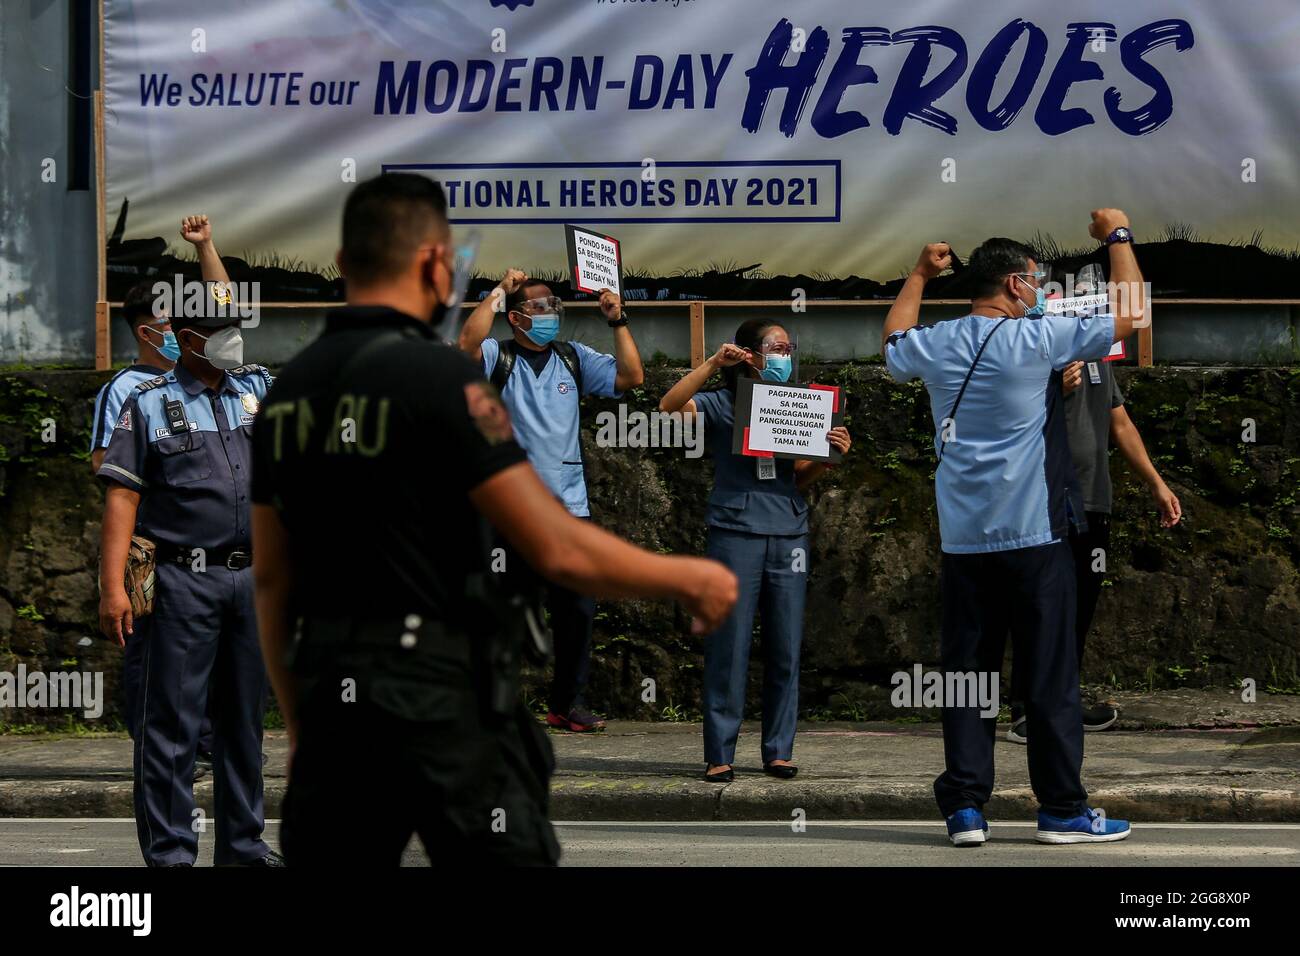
column 596, row 262
column 792, row 421
column 1095, row 304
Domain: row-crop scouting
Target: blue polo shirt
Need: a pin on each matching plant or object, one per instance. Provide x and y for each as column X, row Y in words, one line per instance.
column 1006, row 479
column 543, row 409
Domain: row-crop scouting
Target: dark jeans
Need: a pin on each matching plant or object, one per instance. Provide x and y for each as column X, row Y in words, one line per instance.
column 571, row 616
column 1088, row 588
column 1029, row 593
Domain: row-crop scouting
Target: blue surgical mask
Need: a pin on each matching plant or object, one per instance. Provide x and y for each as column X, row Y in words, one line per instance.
column 776, row 368
column 545, row 328
column 170, row 348
column 1040, row 303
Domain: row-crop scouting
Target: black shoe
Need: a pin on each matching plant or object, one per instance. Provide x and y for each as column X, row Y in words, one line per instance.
column 722, row 776
column 780, row 770
column 1019, row 732
column 1101, row 717
column 271, row 859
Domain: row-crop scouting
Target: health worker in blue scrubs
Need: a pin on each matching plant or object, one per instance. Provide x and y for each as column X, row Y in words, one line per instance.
column 758, row 527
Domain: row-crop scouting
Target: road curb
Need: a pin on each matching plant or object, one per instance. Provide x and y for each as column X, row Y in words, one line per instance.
column 676, row 800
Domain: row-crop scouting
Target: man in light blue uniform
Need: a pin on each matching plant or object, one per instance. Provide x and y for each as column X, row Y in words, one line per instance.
column 157, row 352
column 542, row 381
column 177, row 470
column 1007, row 497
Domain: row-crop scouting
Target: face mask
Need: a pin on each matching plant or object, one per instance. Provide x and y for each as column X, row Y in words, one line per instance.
column 225, row 349
column 170, row 348
column 545, row 328
column 1040, row 303
column 777, row 368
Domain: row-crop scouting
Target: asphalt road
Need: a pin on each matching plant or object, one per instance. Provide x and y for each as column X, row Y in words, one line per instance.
column 112, row 842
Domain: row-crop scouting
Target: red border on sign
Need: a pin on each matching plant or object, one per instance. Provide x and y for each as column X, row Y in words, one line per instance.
column 745, row 450
column 829, row 388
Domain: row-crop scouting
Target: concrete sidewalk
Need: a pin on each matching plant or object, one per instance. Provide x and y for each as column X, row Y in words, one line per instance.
column 1176, row 756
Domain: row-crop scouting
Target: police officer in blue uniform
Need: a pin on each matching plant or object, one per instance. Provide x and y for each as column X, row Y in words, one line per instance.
column 157, row 352
column 177, row 469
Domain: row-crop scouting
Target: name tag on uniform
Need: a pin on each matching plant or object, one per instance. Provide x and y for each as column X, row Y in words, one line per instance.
column 766, row 468
column 1094, row 373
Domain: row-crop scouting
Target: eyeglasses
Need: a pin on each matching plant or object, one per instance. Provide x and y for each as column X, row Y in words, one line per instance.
column 778, row 348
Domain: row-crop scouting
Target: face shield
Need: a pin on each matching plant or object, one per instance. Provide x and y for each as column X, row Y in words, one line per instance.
column 780, row 359
column 542, row 306
column 462, row 271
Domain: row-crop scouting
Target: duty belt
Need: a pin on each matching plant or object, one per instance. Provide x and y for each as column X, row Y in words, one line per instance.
column 234, row 558
column 403, row 634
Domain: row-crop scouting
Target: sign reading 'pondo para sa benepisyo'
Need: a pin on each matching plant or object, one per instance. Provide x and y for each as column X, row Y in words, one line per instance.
column 595, row 259
column 775, row 420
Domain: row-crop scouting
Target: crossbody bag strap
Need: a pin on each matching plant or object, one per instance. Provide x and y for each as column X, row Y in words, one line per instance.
column 952, row 414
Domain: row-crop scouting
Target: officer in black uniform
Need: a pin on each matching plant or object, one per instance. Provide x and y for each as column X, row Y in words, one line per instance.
column 178, row 468
column 393, row 651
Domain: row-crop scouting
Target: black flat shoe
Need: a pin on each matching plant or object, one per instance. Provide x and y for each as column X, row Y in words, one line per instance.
column 722, row 776
column 780, row 770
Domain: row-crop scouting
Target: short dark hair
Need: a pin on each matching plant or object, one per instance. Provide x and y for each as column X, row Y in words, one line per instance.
column 517, row 298
column 137, row 305
column 992, row 261
column 387, row 218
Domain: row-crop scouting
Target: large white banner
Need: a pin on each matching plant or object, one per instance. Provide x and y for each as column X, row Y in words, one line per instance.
column 825, row 139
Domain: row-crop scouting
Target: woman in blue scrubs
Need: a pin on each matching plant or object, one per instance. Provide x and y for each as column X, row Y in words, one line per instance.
column 758, row 527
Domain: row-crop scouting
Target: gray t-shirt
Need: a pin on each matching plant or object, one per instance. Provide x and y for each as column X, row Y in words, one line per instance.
column 1087, row 421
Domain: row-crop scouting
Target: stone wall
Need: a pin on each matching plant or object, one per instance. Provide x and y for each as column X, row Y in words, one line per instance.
column 1208, row 603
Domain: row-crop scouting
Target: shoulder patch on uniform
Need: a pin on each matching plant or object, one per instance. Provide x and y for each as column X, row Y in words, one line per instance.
column 488, row 412
column 152, row 383
column 261, row 370
column 125, row 421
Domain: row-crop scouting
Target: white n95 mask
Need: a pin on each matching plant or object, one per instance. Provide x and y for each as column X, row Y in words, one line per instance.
column 224, row 349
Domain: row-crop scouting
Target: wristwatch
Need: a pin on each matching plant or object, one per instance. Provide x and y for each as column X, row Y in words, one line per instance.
column 1121, row 234
column 620, row 321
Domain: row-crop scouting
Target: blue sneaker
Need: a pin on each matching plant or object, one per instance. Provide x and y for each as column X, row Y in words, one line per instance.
column 967, row 828
column 1093, row 826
